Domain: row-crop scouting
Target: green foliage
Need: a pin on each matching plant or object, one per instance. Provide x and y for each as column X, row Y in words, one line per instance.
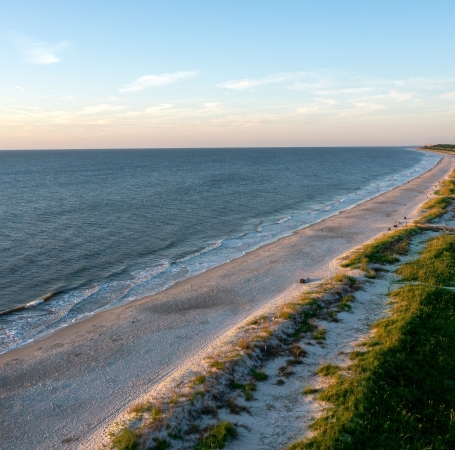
column 156, row 413
column 217, row 365
column 259, row 375
column 385, row 249
column 200, row 379
column 217, row 437
column 319, row 334
column 401, row 390
column 140, row 408
column 436, row 208
column 328, row 370
column 447, row 188
column 125, row 440
column 196, row 395
column 346, row 279
column 345, row 303
column 246, row 388
column 435, row 266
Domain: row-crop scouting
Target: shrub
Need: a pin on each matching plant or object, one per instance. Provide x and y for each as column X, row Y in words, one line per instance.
column 259, row 375
column 200, row 379
column 217, row 437
column 297, row 351
column 319, row 334
column 125, row 440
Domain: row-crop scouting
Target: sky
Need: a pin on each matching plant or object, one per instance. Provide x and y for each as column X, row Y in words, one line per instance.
column 212, row 73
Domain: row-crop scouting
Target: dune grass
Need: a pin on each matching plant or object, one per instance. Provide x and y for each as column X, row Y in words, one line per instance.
column 125, row 440
column 384, row 250
column 436, row 208
column 400, row 391
column 217, row 437
column 447, row 187
column 435, row 266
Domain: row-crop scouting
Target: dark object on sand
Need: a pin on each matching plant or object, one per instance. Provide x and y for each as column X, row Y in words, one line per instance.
column 302, row 280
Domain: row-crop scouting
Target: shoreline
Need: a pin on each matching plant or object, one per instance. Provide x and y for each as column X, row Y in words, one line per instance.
column 86, row 315
column 185, row 319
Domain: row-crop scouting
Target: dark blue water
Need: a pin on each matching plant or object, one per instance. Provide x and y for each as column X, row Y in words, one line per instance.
column 91, row 229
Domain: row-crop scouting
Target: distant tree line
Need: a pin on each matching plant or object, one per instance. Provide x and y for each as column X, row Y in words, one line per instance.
column 440, row 147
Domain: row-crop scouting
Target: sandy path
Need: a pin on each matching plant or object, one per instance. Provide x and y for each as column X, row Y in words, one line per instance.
column 72, row 384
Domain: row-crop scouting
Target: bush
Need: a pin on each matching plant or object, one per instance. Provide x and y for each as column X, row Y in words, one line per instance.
column 125, row 440
column 217, row 437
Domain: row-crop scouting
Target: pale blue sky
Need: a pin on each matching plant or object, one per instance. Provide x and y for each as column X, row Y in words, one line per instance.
column 92, row 74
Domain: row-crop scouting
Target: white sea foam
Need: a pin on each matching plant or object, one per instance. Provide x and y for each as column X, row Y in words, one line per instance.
column 35, row 303
column 284, row 219
column 205, row 250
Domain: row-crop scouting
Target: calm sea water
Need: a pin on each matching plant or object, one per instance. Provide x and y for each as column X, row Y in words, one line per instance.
column 84, row 230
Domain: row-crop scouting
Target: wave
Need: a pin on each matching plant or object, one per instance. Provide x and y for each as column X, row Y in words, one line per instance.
column 284, row 219
column 146, row 274
column 205, row 250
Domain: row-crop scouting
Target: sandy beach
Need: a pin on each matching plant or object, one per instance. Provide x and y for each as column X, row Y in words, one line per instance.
column 65, row 390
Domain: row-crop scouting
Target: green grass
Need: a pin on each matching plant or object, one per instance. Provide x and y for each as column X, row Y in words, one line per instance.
column 344, row 304
column 447, row 188
column 259, row 375
column 400, row 392
column 196, row 395
column 319, row 334
column 328, row 370
column 200, row 379
column 435, row 266
column 384, row 250
column 217, row 437
column 217, row 365
column 125, row 440
column 436, row 208
column 140, row 408
column 156, row 413
column 246, row 388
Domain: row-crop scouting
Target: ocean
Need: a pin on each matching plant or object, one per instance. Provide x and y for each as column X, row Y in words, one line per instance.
column 85, row 230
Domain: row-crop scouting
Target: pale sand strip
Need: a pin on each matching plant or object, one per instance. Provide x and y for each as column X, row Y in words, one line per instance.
column 75, row 382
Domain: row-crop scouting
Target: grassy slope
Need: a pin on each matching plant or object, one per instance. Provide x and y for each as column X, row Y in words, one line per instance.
column 401, row 391
column 385, row 249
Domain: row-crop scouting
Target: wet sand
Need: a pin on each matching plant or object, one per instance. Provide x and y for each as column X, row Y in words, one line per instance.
column 72, row 385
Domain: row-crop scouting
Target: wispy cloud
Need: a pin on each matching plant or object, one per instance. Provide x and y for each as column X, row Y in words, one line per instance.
column 148, row 81
column 19, row 87
column 36, row 52
column 249, row 83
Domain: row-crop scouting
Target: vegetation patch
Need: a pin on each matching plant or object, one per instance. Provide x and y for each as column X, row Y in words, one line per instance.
column 400, row 391
column 125, row 439
column 384, row 250
column 217, row 437
column 328, row 370
column 319, row 334
column 435, row 208
column 435, row 266
column 259, row 375
column 246, row 388
column 344, row 304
